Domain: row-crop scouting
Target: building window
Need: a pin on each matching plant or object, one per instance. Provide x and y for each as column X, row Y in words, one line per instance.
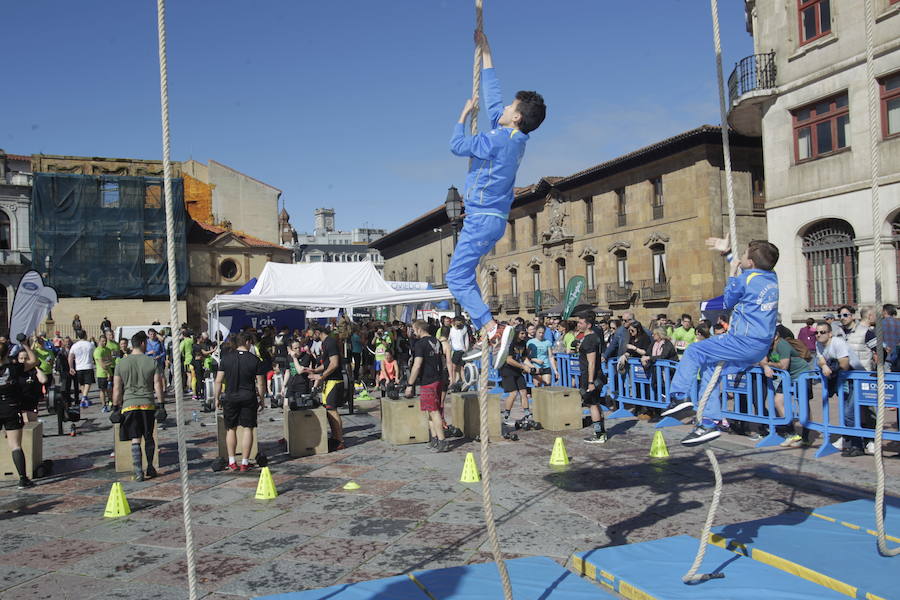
column 620, row 206
column 404, row 275
column 493, row 284
column 890, row 104
column 621, row 267
column 659, row 263
column 895, row 229
column 815, row 19
column 821, row 128
column 534, row 230
column 758, row 188
column 5, row 232
column 514, row 282
column 415, row 272
column 589, row 272
column 657, row 197
column 109, row 194
column 431, row 268
column 831, row 264
column 561, row 274
column 229, row 270
column 589, row 215
column 536, row 278
column 512, row 234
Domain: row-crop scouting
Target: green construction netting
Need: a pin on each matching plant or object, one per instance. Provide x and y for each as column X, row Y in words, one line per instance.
column 106, row 235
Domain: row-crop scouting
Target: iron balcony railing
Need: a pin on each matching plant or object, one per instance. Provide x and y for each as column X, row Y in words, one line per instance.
column 655, row 290
column 618, row 294
column 755, row 72
column 493, row 303
column 511, row 302
column 590, row 296
column 548, row 300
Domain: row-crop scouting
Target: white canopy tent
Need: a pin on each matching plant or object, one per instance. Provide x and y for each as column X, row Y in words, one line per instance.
column 318, row 286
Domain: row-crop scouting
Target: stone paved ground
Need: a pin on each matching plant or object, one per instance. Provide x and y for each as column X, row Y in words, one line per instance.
column 410, row 513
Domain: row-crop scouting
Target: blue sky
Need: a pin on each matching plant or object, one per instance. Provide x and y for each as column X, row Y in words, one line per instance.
column 350, row 103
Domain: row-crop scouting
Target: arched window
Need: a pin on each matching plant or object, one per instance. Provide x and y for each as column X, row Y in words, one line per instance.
column 561, row 274
column 621, row 267
column 589, row 272
column 5, row 232
column 514, row 282
column 659, row 263
column 895, row 230
column 831, row 264
column 493, row 277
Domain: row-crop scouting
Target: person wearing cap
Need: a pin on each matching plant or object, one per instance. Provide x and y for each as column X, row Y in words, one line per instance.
column 836, row 329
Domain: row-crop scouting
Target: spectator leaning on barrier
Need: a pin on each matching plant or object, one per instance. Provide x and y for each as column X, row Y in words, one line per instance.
column 684, row 335
column 793, row 357
column 783, row 331
column 858, row 333
column 890, row 327
column 836, row 329
column 835, row 357
column 619, row 340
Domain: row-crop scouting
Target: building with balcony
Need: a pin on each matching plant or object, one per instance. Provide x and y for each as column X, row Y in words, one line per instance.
column 328, row 244
column 15, row 238
column 633, row 226
column 805, row 91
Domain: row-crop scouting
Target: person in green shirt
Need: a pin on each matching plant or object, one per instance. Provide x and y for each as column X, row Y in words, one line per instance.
column 137, row 390
column 795, row 360
column 44, row 356
column 684, row 335
column 187, row 356
column 103, row 363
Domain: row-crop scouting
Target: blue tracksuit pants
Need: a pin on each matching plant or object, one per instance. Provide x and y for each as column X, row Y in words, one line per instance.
column 479, row 234
column 737, row 351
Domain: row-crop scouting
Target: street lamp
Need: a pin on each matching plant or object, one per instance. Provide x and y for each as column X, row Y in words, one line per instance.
column 453, row 205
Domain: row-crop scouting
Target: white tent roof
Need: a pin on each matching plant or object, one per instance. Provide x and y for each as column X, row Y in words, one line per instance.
column 322, row 285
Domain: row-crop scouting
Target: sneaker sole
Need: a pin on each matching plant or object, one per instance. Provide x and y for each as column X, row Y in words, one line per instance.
column 502, row 349
column 701, row 438
column 677, row 408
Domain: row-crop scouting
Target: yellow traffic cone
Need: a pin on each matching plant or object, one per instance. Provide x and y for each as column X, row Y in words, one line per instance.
column 658, row 448
column 470, row 470
column 117, row 505
column 265, row 490
column 351, row 485
column 559, row 457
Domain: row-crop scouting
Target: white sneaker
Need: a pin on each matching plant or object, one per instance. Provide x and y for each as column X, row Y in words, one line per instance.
column 870, row 448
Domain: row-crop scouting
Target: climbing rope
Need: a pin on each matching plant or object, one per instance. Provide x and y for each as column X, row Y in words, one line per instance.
column 874, row 129
column 173, row 299
column 486, row 498
column 691, row 576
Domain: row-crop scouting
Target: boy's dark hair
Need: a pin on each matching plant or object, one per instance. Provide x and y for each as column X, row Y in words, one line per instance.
column 532, row 108
column 763, row 254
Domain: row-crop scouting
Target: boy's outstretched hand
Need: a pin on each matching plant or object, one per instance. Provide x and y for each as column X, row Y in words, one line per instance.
column 469, row 107
column 722, row 245
column 486, row 58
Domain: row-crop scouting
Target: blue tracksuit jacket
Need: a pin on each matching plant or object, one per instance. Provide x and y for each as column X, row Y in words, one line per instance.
column 495, row 156
column 753, row 296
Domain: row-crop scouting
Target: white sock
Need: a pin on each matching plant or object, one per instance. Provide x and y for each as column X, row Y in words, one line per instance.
column 245, row 461
column 230, row 460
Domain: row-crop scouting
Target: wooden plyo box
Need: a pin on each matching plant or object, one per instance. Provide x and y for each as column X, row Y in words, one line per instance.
column 557, row 408
column 32, row 446
column 223, row 450
column 456, row 409
column 402, row 422
column 306, row 431
column 472, row 415
column 124, row 464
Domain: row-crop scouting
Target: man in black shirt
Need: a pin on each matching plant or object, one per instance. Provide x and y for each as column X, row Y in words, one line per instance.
column 331, row 384
column 246, row 389
column 427, row 370
column 589, row 352
column 11, row 371
column 512, row 375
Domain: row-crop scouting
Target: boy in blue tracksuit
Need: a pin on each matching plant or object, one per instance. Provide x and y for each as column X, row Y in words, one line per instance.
column 495, row 157
column 753, row 297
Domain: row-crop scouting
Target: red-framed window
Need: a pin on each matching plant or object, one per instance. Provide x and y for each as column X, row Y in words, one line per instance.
column 814, row 19
column 821, row 128
column 890, row 104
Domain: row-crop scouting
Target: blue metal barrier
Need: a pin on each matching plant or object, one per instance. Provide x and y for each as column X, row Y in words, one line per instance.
column 637, row 386
column 859, row 389
column 749, row 396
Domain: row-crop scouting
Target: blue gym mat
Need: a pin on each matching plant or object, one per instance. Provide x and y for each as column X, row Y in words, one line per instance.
column 653, row 571
column 532, row 578
column 860, row 515
column 391, row 588
column 840, row 558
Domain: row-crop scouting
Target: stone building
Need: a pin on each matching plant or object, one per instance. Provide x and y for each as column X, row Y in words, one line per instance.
column 805, row 92
column 327, row 243
column 633, row 226
column 220, row 261
column 15, row 238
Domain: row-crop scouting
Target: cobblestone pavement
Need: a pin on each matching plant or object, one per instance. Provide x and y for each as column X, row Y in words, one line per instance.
column 409, row 513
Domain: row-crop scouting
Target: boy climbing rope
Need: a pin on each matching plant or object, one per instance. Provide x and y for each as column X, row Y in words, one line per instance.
column 495, row 157
column 753, row 297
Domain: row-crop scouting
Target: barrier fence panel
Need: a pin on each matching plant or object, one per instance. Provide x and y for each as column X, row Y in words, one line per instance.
column 749, row 396
column 641, row 386
column 855, row 394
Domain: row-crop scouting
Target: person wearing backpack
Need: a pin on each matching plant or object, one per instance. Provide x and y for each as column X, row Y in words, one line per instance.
column 793, row 356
